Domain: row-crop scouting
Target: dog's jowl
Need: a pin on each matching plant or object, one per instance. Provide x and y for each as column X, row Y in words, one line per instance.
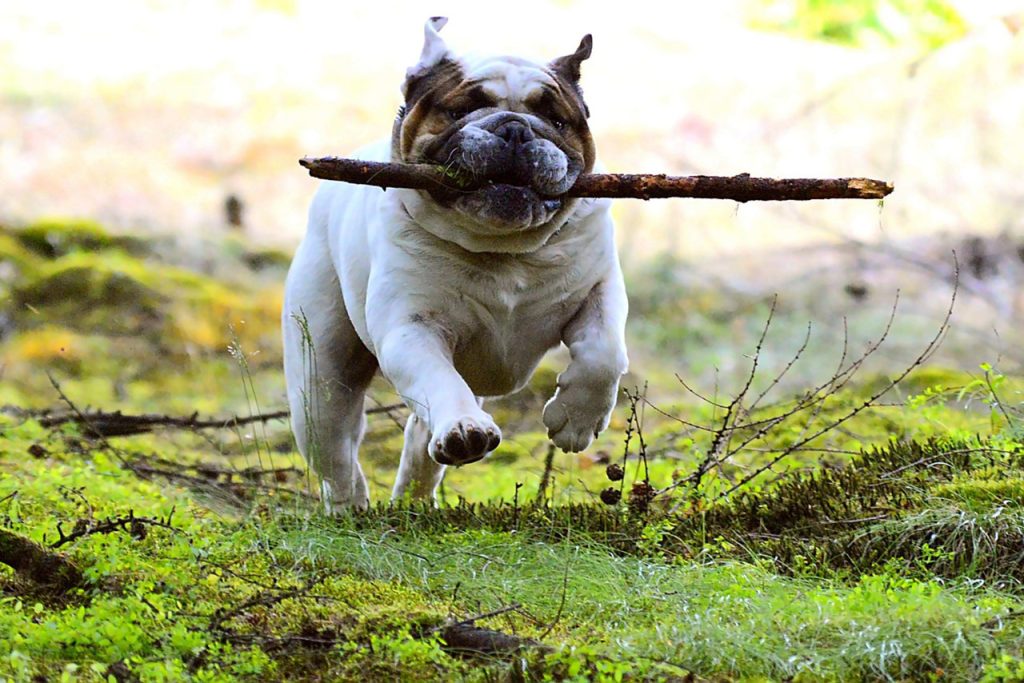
column 455, row 297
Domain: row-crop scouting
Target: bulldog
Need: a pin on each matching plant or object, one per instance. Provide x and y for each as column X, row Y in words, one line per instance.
column 456, row 296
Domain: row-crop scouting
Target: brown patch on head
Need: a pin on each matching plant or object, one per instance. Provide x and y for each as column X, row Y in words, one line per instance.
column 562, row 105
column 421, row 115
column 566, row 72
column 438, row 98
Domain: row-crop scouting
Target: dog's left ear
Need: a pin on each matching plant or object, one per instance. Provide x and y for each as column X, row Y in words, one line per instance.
column 434, row 51
column 569, row 65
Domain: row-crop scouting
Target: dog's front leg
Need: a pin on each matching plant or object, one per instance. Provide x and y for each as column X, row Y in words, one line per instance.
column 418, row 361
column 583, row 402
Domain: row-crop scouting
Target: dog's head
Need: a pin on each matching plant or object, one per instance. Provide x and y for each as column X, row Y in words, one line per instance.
column 517, row 127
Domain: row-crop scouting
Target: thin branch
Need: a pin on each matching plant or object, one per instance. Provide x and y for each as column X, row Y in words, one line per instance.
column 84, row 419
column 130, row 523
column 778, row 378
column 696, row 393
column 805, row 438
column 741, row 188
column 728, row 422
column 561, row 602
column 469, row 621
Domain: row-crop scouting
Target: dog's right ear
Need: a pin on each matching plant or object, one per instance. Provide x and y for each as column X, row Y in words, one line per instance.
column 434, row 52
column 569, row 66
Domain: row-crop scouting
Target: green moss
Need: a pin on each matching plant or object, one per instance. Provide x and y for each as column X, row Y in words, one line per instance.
column 153, row 604
column 982, row 495
column 827, row 573
column 53, row 238
column 88, row 280
column 936, row 379
column 14, row 254
column 724, row 620
column 117, row 293
column 110, row 292
column 267, row 259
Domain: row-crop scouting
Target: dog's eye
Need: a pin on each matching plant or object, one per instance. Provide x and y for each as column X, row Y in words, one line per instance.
column 557, row 122
column 456, row 114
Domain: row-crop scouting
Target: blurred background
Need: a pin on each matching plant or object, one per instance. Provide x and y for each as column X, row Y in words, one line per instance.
column 183, row 122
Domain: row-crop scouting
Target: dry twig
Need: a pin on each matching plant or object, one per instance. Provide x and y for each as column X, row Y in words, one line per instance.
column 136, row 526
column 737, row 430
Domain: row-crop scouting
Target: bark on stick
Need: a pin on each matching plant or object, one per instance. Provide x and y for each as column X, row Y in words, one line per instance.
column 740, row 188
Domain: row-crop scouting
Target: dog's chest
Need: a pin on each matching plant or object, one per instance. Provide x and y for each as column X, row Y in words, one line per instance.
column 507, row 314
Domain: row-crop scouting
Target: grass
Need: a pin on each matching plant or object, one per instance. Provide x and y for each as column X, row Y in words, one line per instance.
column 609, row 607
column 888, row 551
column 716, row 618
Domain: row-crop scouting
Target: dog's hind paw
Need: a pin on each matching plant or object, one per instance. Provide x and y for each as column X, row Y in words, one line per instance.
column 464, row 440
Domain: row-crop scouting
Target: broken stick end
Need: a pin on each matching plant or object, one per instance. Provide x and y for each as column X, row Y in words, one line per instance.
column 869, row 188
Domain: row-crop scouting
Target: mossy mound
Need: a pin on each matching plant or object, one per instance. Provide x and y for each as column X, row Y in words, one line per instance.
column 989, row 490
column 15, row 255
column 927, row 504
column 78, row 277
column 110, row 292
column 53, row 238
column 196, row 599
column 16, row 264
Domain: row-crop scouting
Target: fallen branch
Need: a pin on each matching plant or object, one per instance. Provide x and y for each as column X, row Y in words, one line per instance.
column 99, row 423
column 102, row 423
column 215, row 481
column 467, row 639
column 38, row 564
column 741, row 188
column 464, row 637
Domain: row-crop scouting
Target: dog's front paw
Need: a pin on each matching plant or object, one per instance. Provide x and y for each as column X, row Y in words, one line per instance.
column 464, row 440
column 576, row 414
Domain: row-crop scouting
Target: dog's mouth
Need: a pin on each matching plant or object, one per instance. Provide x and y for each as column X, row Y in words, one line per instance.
column 501, row 204
column 514, row 174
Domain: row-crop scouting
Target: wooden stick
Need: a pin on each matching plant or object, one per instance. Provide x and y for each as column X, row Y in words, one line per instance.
column 740, row 188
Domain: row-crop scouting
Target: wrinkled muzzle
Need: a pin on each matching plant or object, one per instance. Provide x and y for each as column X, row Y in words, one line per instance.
column 523, row 172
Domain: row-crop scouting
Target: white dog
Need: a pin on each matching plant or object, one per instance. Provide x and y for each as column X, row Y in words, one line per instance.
column 456, row 296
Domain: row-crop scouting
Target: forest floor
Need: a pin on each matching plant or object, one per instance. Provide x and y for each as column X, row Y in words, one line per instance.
column 843, row 527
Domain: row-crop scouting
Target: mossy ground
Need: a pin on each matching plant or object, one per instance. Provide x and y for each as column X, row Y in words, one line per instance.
column 888, row 549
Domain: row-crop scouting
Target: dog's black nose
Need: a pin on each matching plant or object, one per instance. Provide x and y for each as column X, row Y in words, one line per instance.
column 515, row 132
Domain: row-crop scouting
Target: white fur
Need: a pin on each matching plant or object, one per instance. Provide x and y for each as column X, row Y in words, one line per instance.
column 381, row 275
column 511, row 84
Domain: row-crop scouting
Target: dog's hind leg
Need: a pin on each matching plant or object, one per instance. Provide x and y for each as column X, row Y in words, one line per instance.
column 327, row 369
column 418, row 474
